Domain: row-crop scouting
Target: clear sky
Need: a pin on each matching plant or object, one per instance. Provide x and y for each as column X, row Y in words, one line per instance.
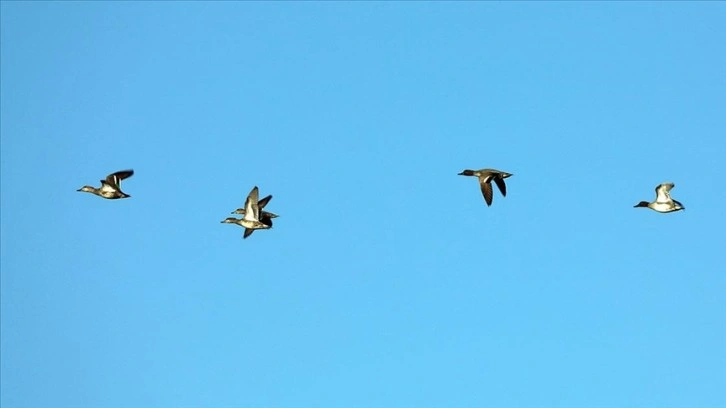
column 386, row 281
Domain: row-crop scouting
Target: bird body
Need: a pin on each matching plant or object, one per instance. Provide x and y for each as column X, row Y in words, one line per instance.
column 486, row 176
column 251, row 219
column 110, row 186
column 663, row 202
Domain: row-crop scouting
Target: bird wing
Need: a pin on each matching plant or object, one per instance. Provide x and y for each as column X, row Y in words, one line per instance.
column 486, row 190
column 662, row 192
column 501, row 185
column 262, row 203
column 251, row 208
column 114, row 179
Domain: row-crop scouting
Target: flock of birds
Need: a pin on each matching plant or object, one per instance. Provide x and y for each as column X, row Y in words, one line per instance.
column 254, row 216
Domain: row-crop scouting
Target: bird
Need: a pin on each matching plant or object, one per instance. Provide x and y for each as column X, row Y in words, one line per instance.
column 485, row 178
column 265, row 216
column 251, row 219
column 111, row 186
column 663, row 202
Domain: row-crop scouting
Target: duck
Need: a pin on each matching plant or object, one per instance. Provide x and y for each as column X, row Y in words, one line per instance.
column 663, row 202
column 485, row 179
column 263, row 214
column 251, row 219
column 111, row 186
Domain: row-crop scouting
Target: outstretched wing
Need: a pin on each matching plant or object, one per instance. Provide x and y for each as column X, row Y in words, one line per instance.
column 251, row 207
column 662, row 192
column 501, row 185
column 486, row 190
column 262, row 203
column 114, row 179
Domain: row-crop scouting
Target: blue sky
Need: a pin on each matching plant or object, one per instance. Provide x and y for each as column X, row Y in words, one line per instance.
column 386, row 281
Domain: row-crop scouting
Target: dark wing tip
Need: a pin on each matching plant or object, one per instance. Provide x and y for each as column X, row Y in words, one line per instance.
column 263, row 202
column 123, row 174
column 486, row 190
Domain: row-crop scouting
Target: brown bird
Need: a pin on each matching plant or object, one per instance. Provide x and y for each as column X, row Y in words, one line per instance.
column 485, row 178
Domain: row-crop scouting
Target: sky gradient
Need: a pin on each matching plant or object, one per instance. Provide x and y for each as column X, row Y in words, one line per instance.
column 386, row 281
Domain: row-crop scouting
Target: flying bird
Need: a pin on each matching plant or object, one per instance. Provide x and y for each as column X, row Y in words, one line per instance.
column 486, row 176
column 262, row 203
column 663, row 202
column 111, row 186
column 265, row 216
column 251, row 219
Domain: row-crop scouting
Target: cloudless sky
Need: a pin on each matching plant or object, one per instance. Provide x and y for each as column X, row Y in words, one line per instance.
column 386, row 281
